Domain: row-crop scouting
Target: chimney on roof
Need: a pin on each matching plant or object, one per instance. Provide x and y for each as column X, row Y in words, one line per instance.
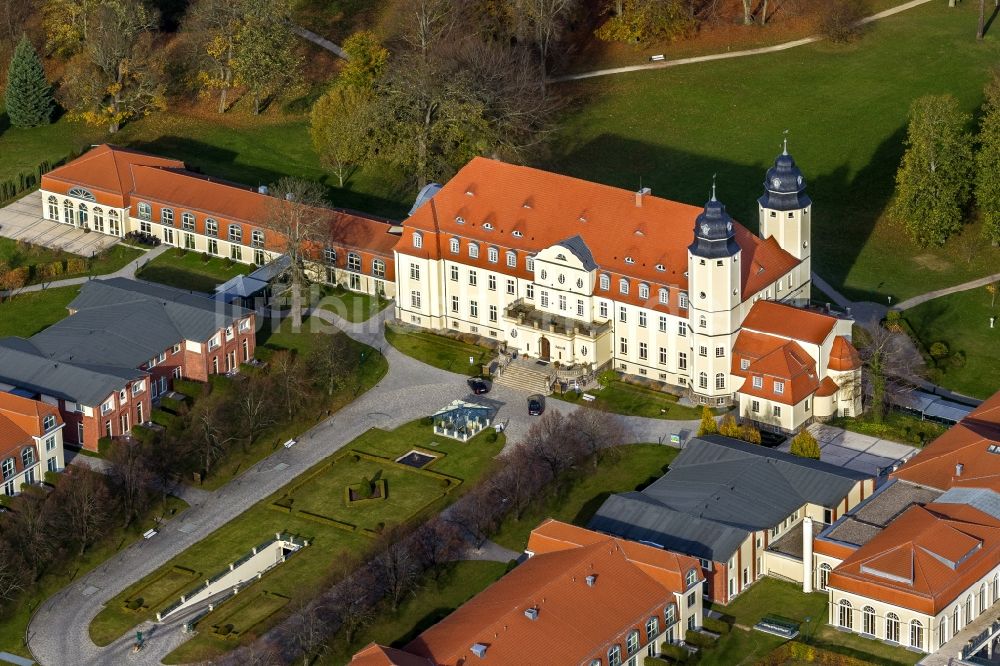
column 531, row 613
column 479, row 650
column 643, row 192
column 591, row 580
column 262, row 189
column 959, row 468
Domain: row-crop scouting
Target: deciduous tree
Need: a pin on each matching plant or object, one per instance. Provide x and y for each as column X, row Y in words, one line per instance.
column 988, row 162
column 367, row 62
column 543, row 22
column 214, row 428
column 212, row 27
column 933, row 183
column 805, row 445
column 331, row 361
column 265, row 58
column 341, row 129
column 130, row 472
column 28, row 95
column 708, row 425
column 255, row 406
column 86, row 505
column 66, row 24
column 640, row 21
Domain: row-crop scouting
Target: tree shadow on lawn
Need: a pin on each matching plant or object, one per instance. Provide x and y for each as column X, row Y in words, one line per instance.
column 846, row 208
column 222, row 165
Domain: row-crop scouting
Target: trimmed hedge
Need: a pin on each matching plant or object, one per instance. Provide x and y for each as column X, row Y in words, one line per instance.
column 698, row 639
column 190, row 388
column 677, row 654
column 316, row 518
column 172, row 405
column 716, row 625
column 165, row 419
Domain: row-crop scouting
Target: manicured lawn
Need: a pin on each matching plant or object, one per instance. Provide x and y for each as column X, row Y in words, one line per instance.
column 351, row 306
column 13, row 625
column 962, row 322
column 622, row 398
column 28, row 313
column 190, row 270
column 770, row 596
column 896, row 426
column 673, row 128
column 333, row 549
column 163, row 589
column 439, row 351
column 627, row 468
column 116, row 257
column 431, row 604
column 271, row 338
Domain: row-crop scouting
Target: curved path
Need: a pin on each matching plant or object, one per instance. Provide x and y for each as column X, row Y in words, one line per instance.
column 729, row 54
column 58, row 632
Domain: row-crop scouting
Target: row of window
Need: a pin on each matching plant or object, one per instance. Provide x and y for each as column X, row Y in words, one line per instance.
column 624, row 286
column 81, row 217
column 9, row 466
column 632, row 638
column 354, row 263
column 473, row 307
column 234, row 231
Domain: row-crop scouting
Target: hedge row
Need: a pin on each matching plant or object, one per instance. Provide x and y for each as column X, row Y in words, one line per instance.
column 26, row 182
column 800, row 652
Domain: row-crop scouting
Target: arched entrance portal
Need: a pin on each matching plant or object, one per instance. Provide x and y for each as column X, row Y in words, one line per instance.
column 545, row 349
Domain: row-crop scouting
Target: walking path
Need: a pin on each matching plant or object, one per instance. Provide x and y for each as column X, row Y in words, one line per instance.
column 319, row 41
column 931, row 295
column 730, row 54
column 58, row 633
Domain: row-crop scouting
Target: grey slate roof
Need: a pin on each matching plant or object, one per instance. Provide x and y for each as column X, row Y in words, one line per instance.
column 121, row 322
column 578, row 247
column 718, row 491
column 241, row 286
column 983, row 499
column 268, row 272
column 87, row 384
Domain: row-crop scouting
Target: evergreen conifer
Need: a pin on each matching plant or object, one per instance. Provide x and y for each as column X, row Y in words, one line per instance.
column 29, row 96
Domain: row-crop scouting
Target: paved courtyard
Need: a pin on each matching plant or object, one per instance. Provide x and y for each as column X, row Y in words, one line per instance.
column 862, row 453
column 22, row 220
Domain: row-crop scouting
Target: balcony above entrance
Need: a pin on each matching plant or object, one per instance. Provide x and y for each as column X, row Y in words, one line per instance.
column 524, row 314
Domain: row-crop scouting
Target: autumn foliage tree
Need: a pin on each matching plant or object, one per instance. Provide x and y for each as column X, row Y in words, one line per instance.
column 805, row 445
column 708, row 425
column 988, row 162
column 640, row 21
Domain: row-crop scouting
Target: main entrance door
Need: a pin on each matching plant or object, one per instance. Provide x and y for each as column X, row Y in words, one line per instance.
column 545, row 349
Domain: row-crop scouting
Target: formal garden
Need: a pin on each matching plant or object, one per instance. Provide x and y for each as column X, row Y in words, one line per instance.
column 316, row 507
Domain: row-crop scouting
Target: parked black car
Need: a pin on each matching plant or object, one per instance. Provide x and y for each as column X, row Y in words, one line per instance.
column 536, row 405
column 479, row 385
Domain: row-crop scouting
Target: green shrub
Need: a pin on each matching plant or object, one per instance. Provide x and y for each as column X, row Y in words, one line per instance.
column 76, row 265
column 190, row 388
column 134, row 604
column 698, row 639
column 511, row 565
column 716, row 625
column 51, row 478
column 938, row 350
column 492, row 437
column 163, row 418
column 675, row 653
column 958, row 359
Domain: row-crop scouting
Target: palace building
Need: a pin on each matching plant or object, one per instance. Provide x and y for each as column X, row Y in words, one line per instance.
column 574, row 274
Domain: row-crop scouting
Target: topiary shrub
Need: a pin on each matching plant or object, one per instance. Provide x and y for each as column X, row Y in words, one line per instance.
column 839, row 19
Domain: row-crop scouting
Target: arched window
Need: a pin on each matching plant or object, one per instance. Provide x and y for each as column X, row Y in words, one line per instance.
column 454, row 245
column 892, row 627
column 623, row 286
column 187, row 222
column 493, row 255
column 652, row 628
column 720, row 381
column 982, row 598
column 690, row 578
column 632, row 642
column 53, row 208
column 615, row 656
column 702, row 380
column 114, row 228
column 257, row 238
column 28, row 456
column 702, row 322
column 942, row 631
column 996, row 587
column 211, row 228
column 916, row 635
column 664, row 296
column 605, row 282
column 643, row 290
column 968, row 609
column 378, row 268
column 353, row 261
column 83, row 215
column 418, row 239
column 98, row 220
column 846, row 616
column 67, row 211
column 824, row 576
column 512, row 259
column 474, row 250
column 955, row 626
column 235, row 233
column 868, row 620
column 145, row 211
column 167, row 216
column 8, row 468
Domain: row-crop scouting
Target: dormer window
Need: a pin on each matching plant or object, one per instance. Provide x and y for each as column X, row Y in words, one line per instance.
column 744, row 363
column 529, row 263
column 454, row 245
column 643, row 290
column 605, row 282
column 517, row 234
column 664, row 296
column 473, row 250
column 758, row 382
column 469, row 193
column 623, row 286
column 511, row 259
column 493, row 255
column 418, row 239
column 488, row 226
column 779, row 387
column 691, row 577
column 629, row 260
column 167, row 217
column 683, row 300
column 459, row 219
column 49, row 422
column 661, row 267
column 145, row 211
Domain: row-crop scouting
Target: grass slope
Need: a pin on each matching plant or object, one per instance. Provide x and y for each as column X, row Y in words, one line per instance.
column 621, row 398
column 30, row 312
column 845, row 108
column 438, row 350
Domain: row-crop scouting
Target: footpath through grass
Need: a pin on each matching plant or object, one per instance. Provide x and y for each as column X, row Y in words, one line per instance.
column 440, row 351
column 961, row 321
column 14, row 625
column 673, row 128
column 335, row 546
column 770, row 596
column 28, row 313
column 191, row 270
column 622, row 398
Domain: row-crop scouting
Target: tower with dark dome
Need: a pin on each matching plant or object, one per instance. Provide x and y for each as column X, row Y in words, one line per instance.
column 714, row 296
column 786, row 215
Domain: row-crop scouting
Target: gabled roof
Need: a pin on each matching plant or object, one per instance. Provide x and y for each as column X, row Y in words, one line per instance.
column 377, row 655
column 575, row 621
column 843, row 355
column 122, row 322
column 925, row 558
column 789, row 322
column 973, row 443
column 241, row 285
column 788, row 366
column 110, row 168
column 20, row 420
column 547, row 208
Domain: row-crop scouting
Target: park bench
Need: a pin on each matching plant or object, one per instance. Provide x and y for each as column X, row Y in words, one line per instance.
column 778, row 627
column 289, row 444
column 587, row 397
column 657, row 58
column 149, row 534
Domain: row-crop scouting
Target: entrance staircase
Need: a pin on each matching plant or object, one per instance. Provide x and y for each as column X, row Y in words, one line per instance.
column 525, row 375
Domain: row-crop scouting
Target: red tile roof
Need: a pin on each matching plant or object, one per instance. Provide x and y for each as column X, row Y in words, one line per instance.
column 967, row 443
column 924, row 559
column 788, row 366
column 108, row 168
column 20, row 420
column 545, row 208
column 575, row 621
column 843, row 355
column 827, row 388
column 789, row 322
column 377, row 655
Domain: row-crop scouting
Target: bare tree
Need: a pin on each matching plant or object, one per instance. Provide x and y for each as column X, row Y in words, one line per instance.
column 436, row 543
column 598, row 431
column 85, row 501
column 13, row 18
column 397, row 566
column 888, row 373
column 353, row 600
column 428, row 23
column 544, row 22
column 289, row 380
column 255, row 406
column 131, row 474
column 12, row 574
column 214, row 425
column 330, row 361
column 476, row 516
column 296, row 213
